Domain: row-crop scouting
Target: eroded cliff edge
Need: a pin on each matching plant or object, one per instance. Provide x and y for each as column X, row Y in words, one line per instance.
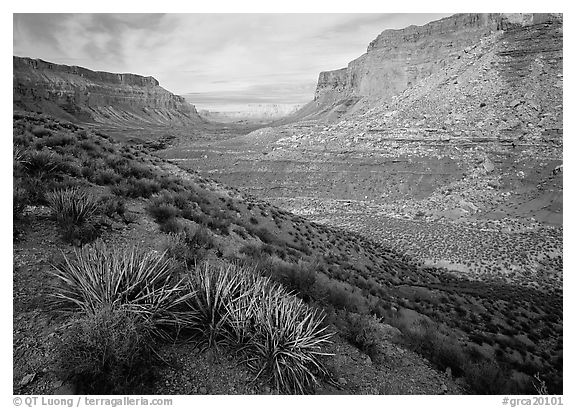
column 79, row 94
column 398, row 59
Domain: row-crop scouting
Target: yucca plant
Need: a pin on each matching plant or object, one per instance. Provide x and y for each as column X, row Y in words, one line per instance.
column 277, row 335
column 286, row 345
column 41, row 163
column 241, row 314
column 130, row 279
column 72, row 206
column 217, row 289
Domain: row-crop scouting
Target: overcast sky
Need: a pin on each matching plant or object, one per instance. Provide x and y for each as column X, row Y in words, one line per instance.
column 241, row 57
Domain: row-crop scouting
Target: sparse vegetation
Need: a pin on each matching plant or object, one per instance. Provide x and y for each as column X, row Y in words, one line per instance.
column 107, row 351
column 91, row 183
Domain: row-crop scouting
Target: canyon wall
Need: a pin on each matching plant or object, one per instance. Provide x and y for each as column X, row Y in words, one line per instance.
column 76, row 93
column 398, row 59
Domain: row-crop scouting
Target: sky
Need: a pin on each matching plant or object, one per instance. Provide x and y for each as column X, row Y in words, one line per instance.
column 211, row 58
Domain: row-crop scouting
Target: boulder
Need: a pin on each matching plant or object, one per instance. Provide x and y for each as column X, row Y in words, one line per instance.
column 488, row 165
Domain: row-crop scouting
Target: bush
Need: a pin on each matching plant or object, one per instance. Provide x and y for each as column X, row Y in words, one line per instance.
column 188, row 248
column 425, row 338
column 107, row 352
column 130, row 279
column 111, row 206
column 40, row 131
column 171, row 226
column 487, row 378
column 299, row 278
column 363, row 332
column 61, row 139
column 162, row 211
column 135, row 188
column 105, row 177
column 265, row 236
column 19, row 201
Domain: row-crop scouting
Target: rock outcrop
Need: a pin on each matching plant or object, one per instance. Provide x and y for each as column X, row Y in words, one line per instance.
column 79, row 94
column 398, row 59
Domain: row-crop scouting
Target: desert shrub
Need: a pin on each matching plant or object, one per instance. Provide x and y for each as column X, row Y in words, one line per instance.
column 22, row 139
column 168, row 182
column 130, row 168
column 364, row 333
column 299, row 278
column 486, row 377
column 265, row 236
column 187, row 247
column 253, row 252
column 340, row 298
column 162, row 211
column 87, row 145
column 19, row 202
column 131, row 279
column 20, row 199
column 104, row 177
column 171, row 226
column 425, row 338
column 111, row 206
column 35, row 188
column 219, row 224
column 200, row 239
column 60, row 139
column 41, row 131
column 135, row 188
column 107, row 352
column 447, row 353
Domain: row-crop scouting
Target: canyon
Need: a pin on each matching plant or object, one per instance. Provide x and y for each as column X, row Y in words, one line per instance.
column 261, row 113
column 427, row 175
column 453, row 128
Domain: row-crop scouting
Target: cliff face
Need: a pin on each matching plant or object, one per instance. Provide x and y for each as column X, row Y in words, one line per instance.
column 77, row 93
column 397, row 59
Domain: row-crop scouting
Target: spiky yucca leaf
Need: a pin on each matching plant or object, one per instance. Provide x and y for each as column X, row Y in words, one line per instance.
column 72, row 206
column 277, row 334
column 122, row 278
column 287, row 343
column 216, row 288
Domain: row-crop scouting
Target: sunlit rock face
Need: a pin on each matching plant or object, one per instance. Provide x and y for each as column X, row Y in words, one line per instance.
column 397, row 59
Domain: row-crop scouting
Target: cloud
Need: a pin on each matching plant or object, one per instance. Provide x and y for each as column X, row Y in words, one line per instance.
column 258, row 56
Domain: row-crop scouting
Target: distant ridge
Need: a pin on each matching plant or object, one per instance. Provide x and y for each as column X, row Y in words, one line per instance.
column 82, row 95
